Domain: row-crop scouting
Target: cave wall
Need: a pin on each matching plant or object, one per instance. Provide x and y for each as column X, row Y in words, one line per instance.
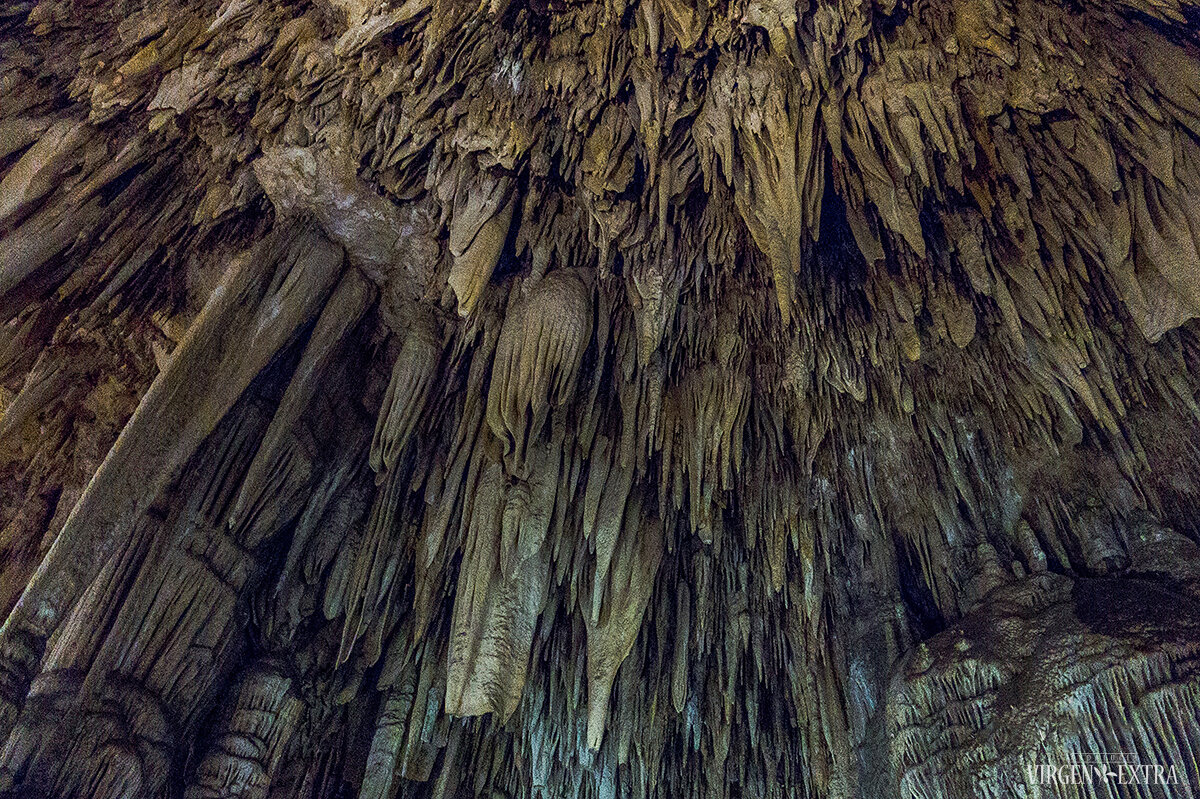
column 624, row 399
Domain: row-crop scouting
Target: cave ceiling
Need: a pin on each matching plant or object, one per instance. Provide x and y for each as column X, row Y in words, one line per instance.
column 639, row 399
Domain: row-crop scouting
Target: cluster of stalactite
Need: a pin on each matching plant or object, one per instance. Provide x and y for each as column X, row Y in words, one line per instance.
column 628, row 399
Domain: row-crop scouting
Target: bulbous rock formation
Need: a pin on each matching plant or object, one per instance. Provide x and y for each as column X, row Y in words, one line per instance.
column 633, row 399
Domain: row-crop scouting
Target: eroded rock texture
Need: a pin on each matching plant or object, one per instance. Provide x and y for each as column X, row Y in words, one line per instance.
column 639, row 398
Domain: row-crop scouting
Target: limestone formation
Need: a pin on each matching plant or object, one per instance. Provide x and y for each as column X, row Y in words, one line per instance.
column 637, row 399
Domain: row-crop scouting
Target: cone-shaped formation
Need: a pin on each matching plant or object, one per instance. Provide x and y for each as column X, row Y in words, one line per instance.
column 633, row 399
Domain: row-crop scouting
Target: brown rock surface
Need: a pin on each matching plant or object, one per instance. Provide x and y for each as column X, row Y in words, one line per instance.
column 636, row 398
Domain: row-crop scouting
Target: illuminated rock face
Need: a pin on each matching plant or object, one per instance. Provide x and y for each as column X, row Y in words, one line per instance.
column 576, row 399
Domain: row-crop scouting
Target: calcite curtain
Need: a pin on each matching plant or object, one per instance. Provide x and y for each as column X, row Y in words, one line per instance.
column 638, row 399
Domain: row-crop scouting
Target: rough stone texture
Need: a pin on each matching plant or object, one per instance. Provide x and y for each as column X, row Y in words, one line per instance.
column 629, row 399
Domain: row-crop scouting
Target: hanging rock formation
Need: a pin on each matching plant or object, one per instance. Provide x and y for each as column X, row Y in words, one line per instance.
column 639, row 398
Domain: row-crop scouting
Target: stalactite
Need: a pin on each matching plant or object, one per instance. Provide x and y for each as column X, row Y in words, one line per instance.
column 630, row 399
column 262, row 305
column 481, row 218
column 247, row 747
column 537, row 361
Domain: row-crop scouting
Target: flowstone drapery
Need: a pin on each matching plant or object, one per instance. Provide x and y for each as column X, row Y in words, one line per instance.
column 577, row 399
